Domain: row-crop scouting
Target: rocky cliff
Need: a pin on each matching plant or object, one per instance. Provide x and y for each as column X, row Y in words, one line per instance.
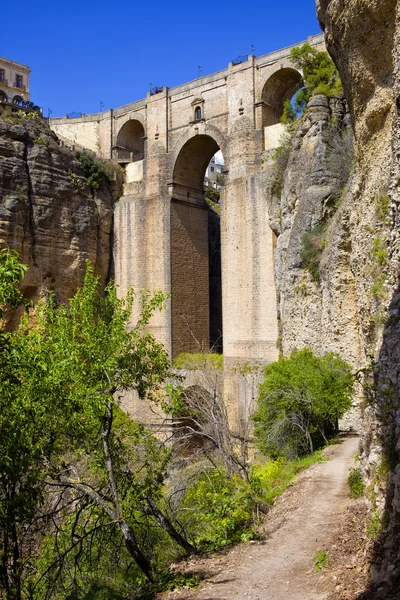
column 48, row 212
column 338, row 244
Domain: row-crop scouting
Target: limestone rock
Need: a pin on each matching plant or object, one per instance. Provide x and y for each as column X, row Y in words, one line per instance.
column 47, row 212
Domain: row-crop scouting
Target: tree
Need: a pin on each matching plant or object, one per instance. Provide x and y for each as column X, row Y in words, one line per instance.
column 320, row 76
column 68, row 451
column 300, row 402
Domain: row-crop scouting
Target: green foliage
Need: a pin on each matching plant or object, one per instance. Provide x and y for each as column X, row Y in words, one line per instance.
column 376, row 525
column 382, row 208
column 289, row 113
column 95, row 171
column 356, row 483
column 379, row 248
column 12, row 273
column 321, row 560
column 271, row 478
column 61, row 427
column 280, row 159
column 196, row 361
column 41, row 140
column 313, row 244
column 320, row 75
column 170, row 581
column 300, row 402
column 218, row 509
column 78, row 182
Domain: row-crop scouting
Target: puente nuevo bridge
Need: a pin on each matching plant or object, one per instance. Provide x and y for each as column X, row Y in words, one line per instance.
column 165, row 142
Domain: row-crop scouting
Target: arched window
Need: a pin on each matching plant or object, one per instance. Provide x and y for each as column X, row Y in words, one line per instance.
column 197, row 113
column 17, row 100
column 3, row 96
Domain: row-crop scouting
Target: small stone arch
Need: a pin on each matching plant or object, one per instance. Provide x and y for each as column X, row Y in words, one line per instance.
column 192, row 272
column 3, row 96
column 278, row 88
column 130, row 141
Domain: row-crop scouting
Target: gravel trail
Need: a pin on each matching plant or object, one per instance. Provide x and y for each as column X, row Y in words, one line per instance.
column 281, row 567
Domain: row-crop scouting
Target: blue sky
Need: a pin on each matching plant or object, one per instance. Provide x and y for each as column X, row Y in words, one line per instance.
column 84, row 53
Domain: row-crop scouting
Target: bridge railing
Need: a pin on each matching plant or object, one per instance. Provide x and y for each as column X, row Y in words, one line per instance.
column 124, row 155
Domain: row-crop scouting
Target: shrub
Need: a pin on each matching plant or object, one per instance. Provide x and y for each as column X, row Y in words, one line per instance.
column 300, row 402
column 321, row 560
column 356, row 483
column 271, row 478
column 218, row 509
column 95, row 171
column 320, row 75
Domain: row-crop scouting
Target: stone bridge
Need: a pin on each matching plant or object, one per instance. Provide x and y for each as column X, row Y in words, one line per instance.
column 165, row 236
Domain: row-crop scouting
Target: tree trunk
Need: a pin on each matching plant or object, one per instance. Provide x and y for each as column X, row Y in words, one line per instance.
column 141, row 560
column 169, row 528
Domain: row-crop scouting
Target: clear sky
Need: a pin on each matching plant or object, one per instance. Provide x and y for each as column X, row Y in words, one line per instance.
column 86, row 53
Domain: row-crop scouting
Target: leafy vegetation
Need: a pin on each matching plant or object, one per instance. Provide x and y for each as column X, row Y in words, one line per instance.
column 320, row 75
column 270, row 478
column 219, row 509
column 280, row 159
column 300, row 402
column 356, row 484
column 321, row 560
column 95, row 171
column 198, row 360
column 87, row 509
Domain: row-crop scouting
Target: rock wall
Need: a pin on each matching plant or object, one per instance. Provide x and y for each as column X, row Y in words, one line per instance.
column 47, row 210
column 352, row 306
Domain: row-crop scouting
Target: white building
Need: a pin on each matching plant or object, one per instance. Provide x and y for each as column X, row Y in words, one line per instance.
column 214, row 176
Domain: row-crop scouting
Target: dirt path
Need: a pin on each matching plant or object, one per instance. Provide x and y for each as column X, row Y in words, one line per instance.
column 281, row 567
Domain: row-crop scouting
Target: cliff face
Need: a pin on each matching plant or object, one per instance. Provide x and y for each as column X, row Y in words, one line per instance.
column 351, row 304
column 47, row 212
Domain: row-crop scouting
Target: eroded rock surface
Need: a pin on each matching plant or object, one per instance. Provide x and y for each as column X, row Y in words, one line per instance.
column 47, row 210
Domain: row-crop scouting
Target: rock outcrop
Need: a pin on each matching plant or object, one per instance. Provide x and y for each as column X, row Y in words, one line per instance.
column 351, row 304
column 48, row 213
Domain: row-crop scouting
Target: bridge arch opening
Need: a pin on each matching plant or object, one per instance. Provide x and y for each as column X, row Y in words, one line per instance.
column 281, row 86
column 130, row 145
column 195, row 252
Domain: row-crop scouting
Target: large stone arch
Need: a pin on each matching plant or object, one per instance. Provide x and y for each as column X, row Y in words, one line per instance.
column 195, row 289
column 184, row 153
column 280, row 85
column 130, row 140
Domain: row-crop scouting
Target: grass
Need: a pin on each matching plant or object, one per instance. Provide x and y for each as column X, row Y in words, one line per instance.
column 197, row 361
column 271, row 478
column 356, row 484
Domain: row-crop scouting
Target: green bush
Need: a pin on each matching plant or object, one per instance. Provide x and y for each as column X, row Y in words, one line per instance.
column 271, row 478
column 356, row 484
column 95, row 171
column 320, row 75
column 218, row 509
column 300, row 402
